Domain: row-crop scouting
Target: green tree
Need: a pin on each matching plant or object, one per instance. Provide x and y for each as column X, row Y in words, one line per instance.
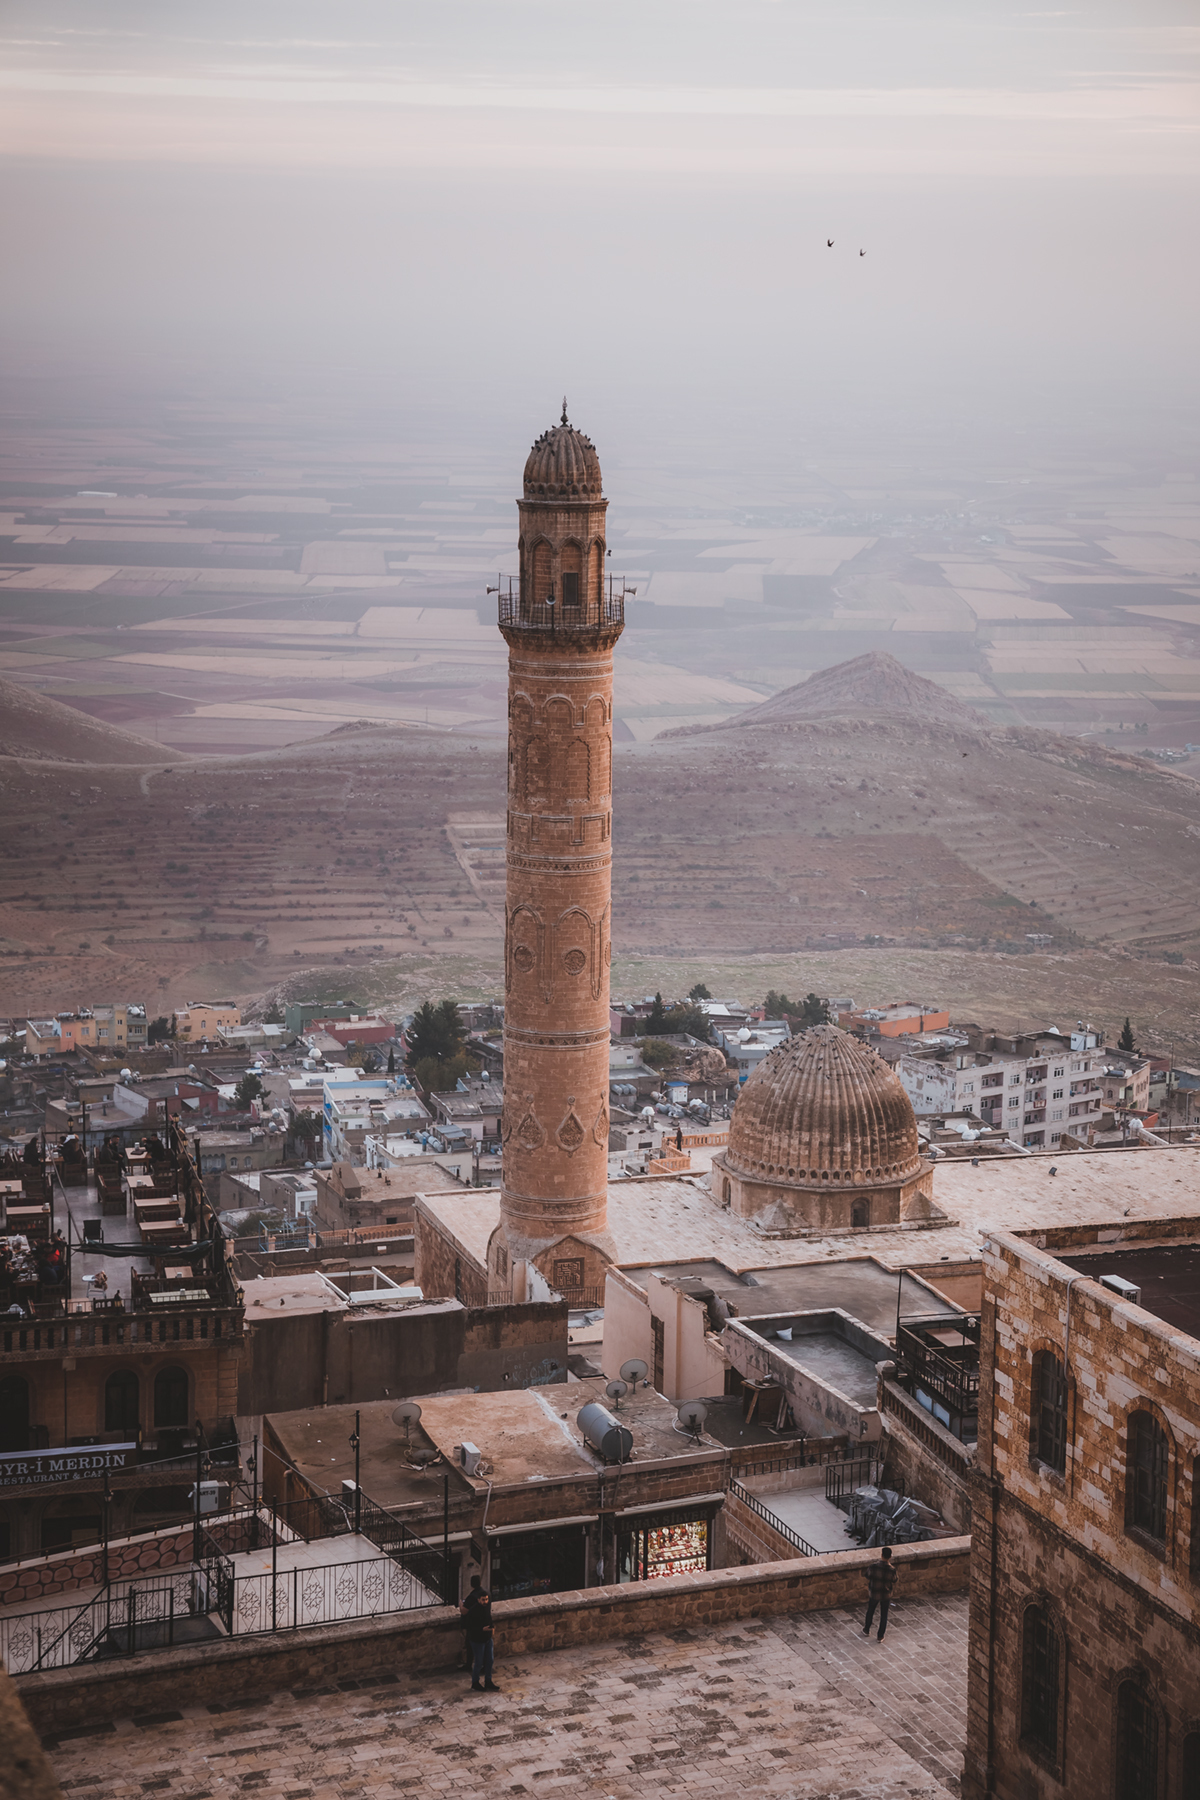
column 656, row 1019
column 699, row 992
column 248, row 1088
column 688, row 1019
column 656, row 1054
column 1125, row 1041
column 158, row 1030
column 778, row 1006
column 437, row 1037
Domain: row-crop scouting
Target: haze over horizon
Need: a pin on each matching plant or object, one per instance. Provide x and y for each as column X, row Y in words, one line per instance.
column 432, row 220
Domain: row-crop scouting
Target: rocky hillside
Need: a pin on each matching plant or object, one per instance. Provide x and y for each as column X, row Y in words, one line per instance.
column 34, row 726
column 874, row 685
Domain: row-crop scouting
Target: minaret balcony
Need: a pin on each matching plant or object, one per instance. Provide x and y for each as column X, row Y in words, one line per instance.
column 516, row 614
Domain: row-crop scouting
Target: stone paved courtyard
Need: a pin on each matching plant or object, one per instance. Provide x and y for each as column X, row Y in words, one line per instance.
column 800, row 1706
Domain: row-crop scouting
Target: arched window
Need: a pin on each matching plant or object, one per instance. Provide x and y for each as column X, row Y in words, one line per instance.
column 1137, row 1742
column 860, row 1213
column 1191, row 1767
column 1050, row 1411
column 1195, row 1556
column 1147, row 1465
column 1040, row 1681
column 570, row 577
column 122, row 1402
column 14, row 1413
column 171, row 1398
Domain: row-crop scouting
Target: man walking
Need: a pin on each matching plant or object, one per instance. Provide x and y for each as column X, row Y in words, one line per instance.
column 881, row 1579
column 477, row 1612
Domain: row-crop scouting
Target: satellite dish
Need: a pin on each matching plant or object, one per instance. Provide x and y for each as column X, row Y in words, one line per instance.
column 406, row 1414
column 421, row 1459
column 691, row 1417
column 634, row 1370
column 616, row 1390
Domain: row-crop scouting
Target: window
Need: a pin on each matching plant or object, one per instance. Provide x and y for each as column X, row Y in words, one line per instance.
column 1057, row 1094
column 1195, row 1557
column 1040, row 1681
column 171, row 1399
column 1014, row 1099
column 1191, row 1767
column 1137, row 1742
column 1146, row 1465
column 1050, row 1411
column 570, row 590
column 1015, row 1081
column 1058, row 1072
column 860, row 1213
column 122, row 1402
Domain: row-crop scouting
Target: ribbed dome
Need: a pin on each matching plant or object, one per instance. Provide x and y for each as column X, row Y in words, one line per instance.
column 821, row 1109
column 563, row 465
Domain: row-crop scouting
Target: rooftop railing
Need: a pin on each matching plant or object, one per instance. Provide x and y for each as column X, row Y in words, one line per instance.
column 530, row 615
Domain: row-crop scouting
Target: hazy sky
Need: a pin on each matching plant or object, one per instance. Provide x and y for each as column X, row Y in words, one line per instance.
column 494, row 198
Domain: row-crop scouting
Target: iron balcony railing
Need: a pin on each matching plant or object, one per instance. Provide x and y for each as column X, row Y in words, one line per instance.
column 772, row 1519
column 529, row 615
column 841, row 1478
column 941, row 1368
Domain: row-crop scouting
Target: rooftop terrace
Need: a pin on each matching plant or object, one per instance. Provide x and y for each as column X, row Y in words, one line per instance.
column 801, row 1706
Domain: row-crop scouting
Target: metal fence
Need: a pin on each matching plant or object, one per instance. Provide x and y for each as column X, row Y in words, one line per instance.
column 122, row 1619
column 841, row 1478
column 283, row 1599
column 772, row 1519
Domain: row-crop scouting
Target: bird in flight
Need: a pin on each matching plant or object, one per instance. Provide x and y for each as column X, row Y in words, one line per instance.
column 829, row 243
column 862, row 253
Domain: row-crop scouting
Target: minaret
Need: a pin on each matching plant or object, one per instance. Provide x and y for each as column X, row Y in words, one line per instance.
column 560, row 629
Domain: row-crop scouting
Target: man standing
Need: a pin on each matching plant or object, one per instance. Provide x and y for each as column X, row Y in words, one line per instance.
column 881, row 1579
column 477, row 1612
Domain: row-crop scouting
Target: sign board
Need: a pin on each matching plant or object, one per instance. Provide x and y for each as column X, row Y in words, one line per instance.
column 82, row 1462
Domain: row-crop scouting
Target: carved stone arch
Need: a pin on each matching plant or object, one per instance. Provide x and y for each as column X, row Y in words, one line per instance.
column 1042, row 1719
column 577, row 771
column 596, row 571
column 572, row 579
column 595, row 713
column 542, row 571
column 524, row 946
column 1139, row 1734
column 574, row 942
column 1143, row 1407
column 558, row 714
column 537, row 785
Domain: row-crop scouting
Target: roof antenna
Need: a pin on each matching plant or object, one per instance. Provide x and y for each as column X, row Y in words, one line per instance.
column 564, row 417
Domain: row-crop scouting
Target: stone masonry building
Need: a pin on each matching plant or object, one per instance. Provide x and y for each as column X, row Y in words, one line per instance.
column 560, row 629
column 1085, row 1646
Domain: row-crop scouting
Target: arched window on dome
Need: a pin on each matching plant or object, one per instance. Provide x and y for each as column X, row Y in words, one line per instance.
column 860, row 1213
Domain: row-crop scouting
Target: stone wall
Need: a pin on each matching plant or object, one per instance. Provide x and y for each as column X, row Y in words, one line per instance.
column 75, row 1569
column 1121, row 1606
column 216, row 1673
column 749, row 1538
column 929, row 1460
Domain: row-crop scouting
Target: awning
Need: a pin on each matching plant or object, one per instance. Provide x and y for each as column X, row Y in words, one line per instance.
column 542, row 1524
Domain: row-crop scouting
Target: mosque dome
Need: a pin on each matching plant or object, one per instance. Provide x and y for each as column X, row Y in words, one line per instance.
column 823, row 1109
column 563, row 465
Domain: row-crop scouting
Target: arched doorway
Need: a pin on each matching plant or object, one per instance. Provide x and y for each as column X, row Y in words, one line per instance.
column 122, row 1403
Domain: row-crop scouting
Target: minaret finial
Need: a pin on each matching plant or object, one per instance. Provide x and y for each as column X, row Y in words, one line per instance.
column 564, row 417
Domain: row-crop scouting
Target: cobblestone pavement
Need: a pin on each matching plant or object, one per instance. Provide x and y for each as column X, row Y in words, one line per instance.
column 802, row 1708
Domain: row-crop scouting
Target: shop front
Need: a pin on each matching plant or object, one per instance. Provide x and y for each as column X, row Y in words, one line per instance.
column 666, row 1541
column 538, row 1559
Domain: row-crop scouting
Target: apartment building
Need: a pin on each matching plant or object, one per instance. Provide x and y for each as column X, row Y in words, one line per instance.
column 1032, row 1087
column 205, row 1018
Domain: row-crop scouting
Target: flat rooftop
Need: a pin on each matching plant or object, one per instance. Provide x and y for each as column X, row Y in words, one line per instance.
column 797, row 1706
column 832, row 1360
column 522, row 1434
column 650, row 1219
column 859, row 1285
column 1168, row 1275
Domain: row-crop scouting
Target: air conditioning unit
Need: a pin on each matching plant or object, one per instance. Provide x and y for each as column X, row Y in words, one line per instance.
column 210, row 1497
column 469, row 1456
column 1128, row 1290
column 349, row 1490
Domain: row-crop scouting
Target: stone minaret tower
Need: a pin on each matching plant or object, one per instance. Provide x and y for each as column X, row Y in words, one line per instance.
column 560, row 629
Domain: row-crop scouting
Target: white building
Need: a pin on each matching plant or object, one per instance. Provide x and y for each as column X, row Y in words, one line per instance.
column 1032, row 1087
column 354, row 1110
